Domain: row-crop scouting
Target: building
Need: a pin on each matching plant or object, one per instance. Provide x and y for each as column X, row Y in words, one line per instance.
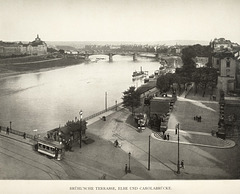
column 221, row 44
column 228, row 64
column 201, row 61
column 229, row 122
column 70, row 133
column 160, row 108
column 36, row 47
column 9, row 48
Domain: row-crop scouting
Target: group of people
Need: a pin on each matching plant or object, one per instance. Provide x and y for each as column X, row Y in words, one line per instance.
column 197, row 118
column 166, row 136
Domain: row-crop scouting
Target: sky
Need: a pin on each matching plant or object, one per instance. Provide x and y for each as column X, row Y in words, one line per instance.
column 119, row 20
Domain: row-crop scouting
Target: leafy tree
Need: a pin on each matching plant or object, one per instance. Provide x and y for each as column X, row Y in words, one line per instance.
column 131, row 98
column 196, row 75
column 61, row 51
column 189, row 53
column 51, row 50
column 206, row 77
column 163, row 83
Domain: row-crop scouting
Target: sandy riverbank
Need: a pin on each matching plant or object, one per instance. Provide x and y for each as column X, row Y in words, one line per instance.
column 8, row 70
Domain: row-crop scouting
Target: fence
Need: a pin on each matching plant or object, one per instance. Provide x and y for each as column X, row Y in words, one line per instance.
column 103, row 111
column 19, row 133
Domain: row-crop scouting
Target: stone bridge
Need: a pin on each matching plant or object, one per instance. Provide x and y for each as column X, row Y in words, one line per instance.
column 111, row 54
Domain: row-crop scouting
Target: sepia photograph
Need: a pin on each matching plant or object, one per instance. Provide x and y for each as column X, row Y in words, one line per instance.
column 119, row 96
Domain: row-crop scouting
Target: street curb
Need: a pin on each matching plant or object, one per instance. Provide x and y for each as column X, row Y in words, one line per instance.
column 230, row 143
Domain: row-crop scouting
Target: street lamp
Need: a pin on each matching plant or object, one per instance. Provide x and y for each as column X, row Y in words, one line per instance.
column 149, row 153
column 80, row 129
column 129, row 170
column 178, row 163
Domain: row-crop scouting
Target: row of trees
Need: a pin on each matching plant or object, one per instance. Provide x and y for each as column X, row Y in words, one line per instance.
column 205, row 77
column 190, row 52
column 166, row 82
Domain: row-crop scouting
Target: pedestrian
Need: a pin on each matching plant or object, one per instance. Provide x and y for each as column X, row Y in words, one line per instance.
column 126, row 168
column 24, row 135
column 163, row 132
column 7, row 131
column 194, row 118
column 116, row 143
column 168, row 136
column 165, row 137
column 182, row 164
column 200, row 118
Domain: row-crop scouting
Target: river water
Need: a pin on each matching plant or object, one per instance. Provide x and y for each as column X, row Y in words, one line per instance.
column 45, row 100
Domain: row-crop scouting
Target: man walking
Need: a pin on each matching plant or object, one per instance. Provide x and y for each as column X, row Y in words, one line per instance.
column 126, row 168
column 182, row 164
column 168, row 136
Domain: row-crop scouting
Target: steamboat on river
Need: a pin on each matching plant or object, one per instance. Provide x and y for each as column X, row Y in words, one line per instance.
column 139, row 74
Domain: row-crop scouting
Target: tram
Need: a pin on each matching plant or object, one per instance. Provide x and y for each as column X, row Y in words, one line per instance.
column 52, row 149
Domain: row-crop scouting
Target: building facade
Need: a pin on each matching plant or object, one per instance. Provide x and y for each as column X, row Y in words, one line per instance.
column 228, row 64
column 221, row 44
column 201, row 61
column 36, row 47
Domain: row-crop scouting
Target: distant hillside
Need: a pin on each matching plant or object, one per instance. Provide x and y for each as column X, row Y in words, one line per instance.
column 65, row 47
column 184, row 42
column 73, row 45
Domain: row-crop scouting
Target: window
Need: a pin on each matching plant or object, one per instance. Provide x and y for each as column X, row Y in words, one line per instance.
column 228, row 63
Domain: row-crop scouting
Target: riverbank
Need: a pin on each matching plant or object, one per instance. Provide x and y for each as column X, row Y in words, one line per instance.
column 8, row 69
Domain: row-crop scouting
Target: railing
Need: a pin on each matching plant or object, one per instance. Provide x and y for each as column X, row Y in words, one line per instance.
column 19, row 133
column 103, row 111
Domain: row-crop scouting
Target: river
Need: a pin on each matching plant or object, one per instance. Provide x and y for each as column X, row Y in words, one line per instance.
column 47, row 99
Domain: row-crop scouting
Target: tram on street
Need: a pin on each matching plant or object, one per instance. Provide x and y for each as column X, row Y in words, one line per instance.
column 51, row 148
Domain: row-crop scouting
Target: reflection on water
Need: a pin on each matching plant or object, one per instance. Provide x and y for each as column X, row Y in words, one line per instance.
column 48, row 99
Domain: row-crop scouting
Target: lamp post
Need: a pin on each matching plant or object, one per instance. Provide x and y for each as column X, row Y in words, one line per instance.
column 149, row 154
column 106, row 101
column 80, row 129
column 178, row 163
column 129, row 169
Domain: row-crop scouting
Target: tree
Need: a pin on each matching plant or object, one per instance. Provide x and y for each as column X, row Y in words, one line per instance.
column 131, row 98
column 190, row 52
column 61, row 51
column 206, row 77
column 163, row 83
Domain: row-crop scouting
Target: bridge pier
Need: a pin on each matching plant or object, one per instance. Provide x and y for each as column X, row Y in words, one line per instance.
column 110, row 57
column 134, row 56
column 86, row 57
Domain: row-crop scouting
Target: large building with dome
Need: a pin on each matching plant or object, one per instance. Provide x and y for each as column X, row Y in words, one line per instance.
column 36, row 47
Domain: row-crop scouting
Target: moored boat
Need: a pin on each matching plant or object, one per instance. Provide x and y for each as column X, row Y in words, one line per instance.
column 138, row 73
